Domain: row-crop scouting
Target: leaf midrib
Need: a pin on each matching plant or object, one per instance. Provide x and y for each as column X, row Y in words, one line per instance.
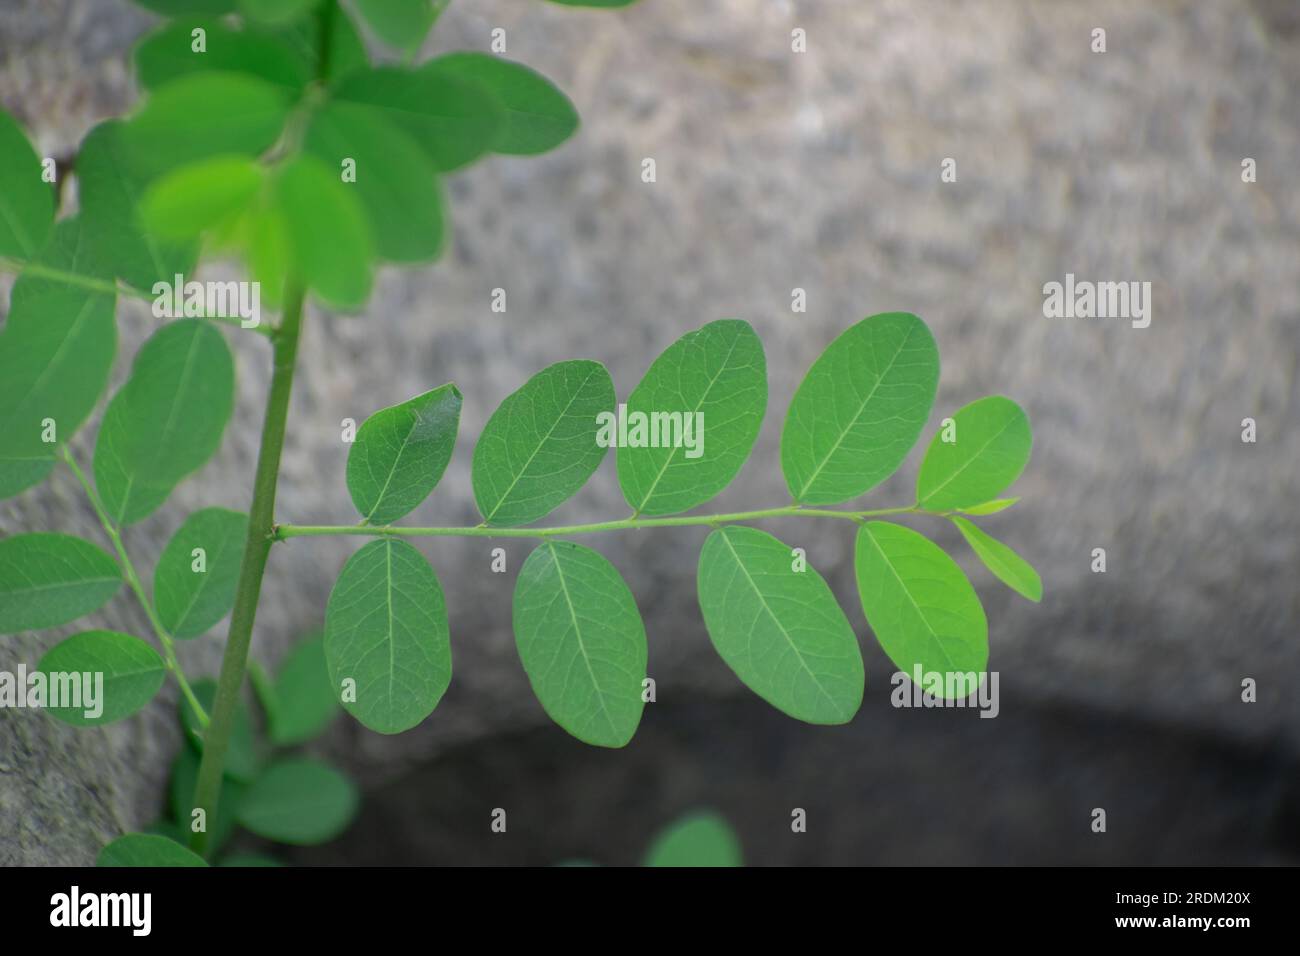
column 777, row 621
column 577, row 633
column 910, row 600
column 856, row 415
column 550, row 431
column 645, row 499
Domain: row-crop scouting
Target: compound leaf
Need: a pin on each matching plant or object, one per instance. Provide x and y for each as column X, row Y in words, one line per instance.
column 132, row 673
column 56, row 350
column 923, row 610
column 395, row 181
column 1010, row 568
column 860, row 409
column 779, row 629
column 537, row 116
column 581, row 641
column 714, row 381
column 167, row 420
column 26, row 200
column 193, row 591
column 540, row 446
column 50, row 579
column 386, row 631
column 989, row 450
column 300, row 801
column 147, row 849
column 400, row 454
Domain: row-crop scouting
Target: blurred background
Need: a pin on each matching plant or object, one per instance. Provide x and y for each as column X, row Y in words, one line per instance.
column 820, row 171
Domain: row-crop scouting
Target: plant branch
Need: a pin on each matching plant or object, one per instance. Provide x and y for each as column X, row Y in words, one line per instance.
column 281, row 532
column 257, row 547
column 133, row 580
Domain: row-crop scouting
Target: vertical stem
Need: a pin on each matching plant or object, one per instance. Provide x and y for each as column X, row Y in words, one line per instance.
column 261, row 526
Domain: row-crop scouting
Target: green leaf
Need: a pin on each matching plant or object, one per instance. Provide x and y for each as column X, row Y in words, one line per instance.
column 400, row 454
column 779, row 629
column 51, row 579
column 241, row 757
column 453, row 121
column 860, row 409
column 128, row 496
column 923, row 610
column 386, row 630
column 1010, row 568
column 26, row 200
column 989, row 451
column 328, row 234
column 202, row 115
column 170, row 53
column 185, row 777
column 990, row 507
column 276, row 12
column 132, row 673
column 146, row 849
column 581, row 641
column 395, row 181
column 177, row 8
column 196, row 197
column 537, row 116
column 56, row 350
column 699, row 839
column 346, row 52
column 109, row 189
column 401, row 23
column 192, row 592
column 302, row 802
column 715, row 377
column 539, row 447
column 302, row 702
column 167, row 420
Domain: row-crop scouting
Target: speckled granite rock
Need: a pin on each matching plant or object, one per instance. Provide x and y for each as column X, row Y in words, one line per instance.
column 821, row 171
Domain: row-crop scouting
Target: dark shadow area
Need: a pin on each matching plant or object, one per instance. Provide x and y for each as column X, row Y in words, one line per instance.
column 896, row 786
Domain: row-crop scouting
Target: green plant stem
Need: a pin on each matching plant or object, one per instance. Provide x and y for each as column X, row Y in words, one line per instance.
column 108, row 287
column 257, row 547
column 483, row 531
column 133, row 580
